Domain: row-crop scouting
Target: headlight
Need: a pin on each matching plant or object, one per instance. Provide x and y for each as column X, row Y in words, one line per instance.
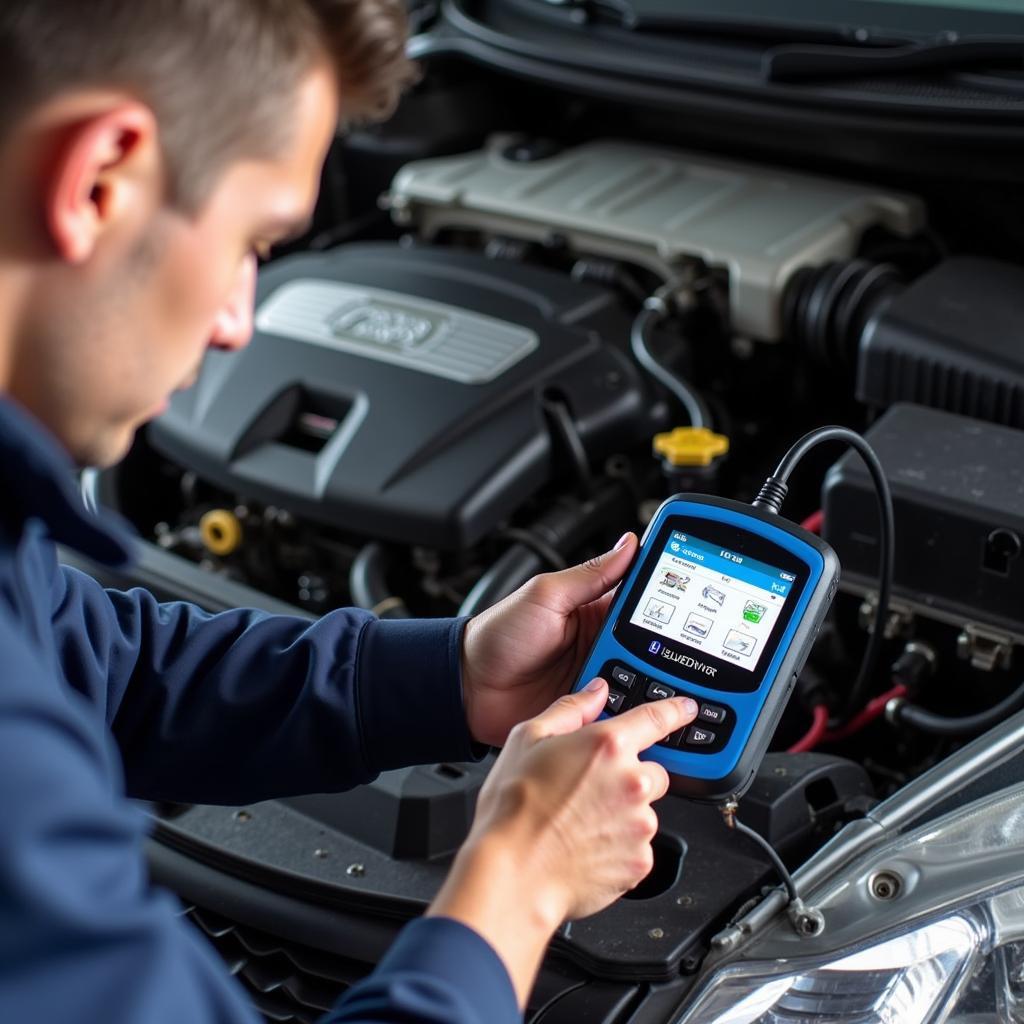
column 900, row 980
column 949, row 948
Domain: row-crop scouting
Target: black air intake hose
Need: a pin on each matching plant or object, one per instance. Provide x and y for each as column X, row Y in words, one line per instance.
column 825, row 309
column 367, row 581
column 564, row 528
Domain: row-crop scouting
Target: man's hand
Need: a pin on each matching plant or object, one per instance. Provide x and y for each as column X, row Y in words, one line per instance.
column 518, row 656
column 563, row 825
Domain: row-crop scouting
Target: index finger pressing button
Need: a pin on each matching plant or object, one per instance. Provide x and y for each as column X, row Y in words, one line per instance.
column 650, row 723
column 711, row 713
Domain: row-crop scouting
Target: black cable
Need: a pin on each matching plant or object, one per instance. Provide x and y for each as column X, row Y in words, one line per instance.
column 776, row 860
column 940, row 725
column 561, row 419
column 368, row 586
column 515, row 566
column 654, row 311
column 537, row 544
column 771, row 497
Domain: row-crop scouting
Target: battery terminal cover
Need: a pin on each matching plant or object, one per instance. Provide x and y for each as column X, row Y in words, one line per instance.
column 690, row 446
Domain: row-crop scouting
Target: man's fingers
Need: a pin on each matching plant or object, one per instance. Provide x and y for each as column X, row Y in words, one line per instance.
column 572, row 711
column 657, row 780
column 566, row 590
column 649, row 723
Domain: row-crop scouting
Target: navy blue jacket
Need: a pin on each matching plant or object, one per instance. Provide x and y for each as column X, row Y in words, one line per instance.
column 106, row 695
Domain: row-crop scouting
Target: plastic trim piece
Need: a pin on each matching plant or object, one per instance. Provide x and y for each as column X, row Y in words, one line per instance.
column 659, row 208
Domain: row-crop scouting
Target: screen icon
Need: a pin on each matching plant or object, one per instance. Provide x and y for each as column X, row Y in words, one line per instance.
column 675, row 580
column 753, row 612
column 659, row 611
column 697, row 624
column 739, row 642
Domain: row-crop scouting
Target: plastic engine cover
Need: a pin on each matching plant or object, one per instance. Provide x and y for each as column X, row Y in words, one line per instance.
column 397, row 391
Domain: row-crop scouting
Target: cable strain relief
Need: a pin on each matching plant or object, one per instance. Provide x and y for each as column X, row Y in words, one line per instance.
column 771, row 496
column 658, row 305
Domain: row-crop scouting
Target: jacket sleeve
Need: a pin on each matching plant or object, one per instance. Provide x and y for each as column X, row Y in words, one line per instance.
column 84, row 937
column 438, row 972
column 243, row 706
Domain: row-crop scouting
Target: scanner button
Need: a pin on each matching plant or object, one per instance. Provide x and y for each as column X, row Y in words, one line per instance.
column 711, row 713
column 675, row 739
column 622, row 676
column 698, row 737
column 615, row 702
column 659, row 691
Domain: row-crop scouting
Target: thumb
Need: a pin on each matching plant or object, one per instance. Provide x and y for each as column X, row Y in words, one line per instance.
column 574, row 710
column 581, row 584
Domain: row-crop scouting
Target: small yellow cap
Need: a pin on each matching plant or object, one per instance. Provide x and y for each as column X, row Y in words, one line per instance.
column 690, row 446
column 221, row 532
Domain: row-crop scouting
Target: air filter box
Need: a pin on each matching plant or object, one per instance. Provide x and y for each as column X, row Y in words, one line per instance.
column 958, row 491
column 951, row 340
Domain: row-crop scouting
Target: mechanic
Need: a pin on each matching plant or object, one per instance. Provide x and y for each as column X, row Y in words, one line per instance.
column 148, row 152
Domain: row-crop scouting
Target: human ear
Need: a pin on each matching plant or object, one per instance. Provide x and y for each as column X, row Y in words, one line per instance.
column 106, row 167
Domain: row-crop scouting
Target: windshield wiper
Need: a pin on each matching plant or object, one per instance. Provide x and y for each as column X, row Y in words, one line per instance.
column 798, row 63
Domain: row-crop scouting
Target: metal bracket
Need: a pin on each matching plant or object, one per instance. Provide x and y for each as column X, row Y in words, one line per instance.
column 986, row 649
column 899, row 622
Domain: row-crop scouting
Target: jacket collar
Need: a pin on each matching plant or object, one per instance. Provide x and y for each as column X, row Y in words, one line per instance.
column 37, row 480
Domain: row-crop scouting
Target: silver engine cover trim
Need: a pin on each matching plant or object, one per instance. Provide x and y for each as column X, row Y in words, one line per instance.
column 405, row 330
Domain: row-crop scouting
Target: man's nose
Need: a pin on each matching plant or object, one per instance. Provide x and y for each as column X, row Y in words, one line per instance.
column 232, row 327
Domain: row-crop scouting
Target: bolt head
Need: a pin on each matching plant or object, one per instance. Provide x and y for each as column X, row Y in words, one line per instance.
column 885, row 885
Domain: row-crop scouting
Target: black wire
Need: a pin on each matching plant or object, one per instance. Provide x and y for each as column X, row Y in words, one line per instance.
column 775, row 489
column 787, row 880
column 548, row 552
column 560, row 417
column 940, row 725
column 694, row 405
column 367, row 582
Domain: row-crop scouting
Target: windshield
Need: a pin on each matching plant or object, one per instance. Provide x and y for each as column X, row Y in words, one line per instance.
column 862, row 19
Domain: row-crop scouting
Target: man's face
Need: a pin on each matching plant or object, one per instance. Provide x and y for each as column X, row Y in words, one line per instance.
column 107, row 342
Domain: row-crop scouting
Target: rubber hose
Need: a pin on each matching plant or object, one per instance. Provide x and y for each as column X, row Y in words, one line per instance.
column 940, row 725
column 367, row 583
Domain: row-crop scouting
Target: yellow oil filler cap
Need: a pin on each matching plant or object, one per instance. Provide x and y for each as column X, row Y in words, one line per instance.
column 690, row 446
column 221, row 532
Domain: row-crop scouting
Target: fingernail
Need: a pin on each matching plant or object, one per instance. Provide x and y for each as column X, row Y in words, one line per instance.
column 689, row 706
column 621, row 542
column 595, row 684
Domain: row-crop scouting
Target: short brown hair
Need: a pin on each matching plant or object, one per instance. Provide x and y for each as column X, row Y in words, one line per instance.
column 220, row 75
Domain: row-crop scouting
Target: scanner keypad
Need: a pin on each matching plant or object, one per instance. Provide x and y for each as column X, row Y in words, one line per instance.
column 628, row 688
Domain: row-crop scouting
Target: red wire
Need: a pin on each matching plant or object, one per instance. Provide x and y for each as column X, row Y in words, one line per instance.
column 815, row 734
column 812, row 524
column 866, row 716
column 819, row 731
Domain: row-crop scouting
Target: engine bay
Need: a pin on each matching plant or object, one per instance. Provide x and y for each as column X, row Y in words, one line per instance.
column 514, row 356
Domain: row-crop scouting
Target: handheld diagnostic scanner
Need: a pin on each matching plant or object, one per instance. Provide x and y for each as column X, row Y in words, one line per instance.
column 722, row 604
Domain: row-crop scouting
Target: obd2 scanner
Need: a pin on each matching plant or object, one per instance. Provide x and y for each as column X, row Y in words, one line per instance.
column 722, row 604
